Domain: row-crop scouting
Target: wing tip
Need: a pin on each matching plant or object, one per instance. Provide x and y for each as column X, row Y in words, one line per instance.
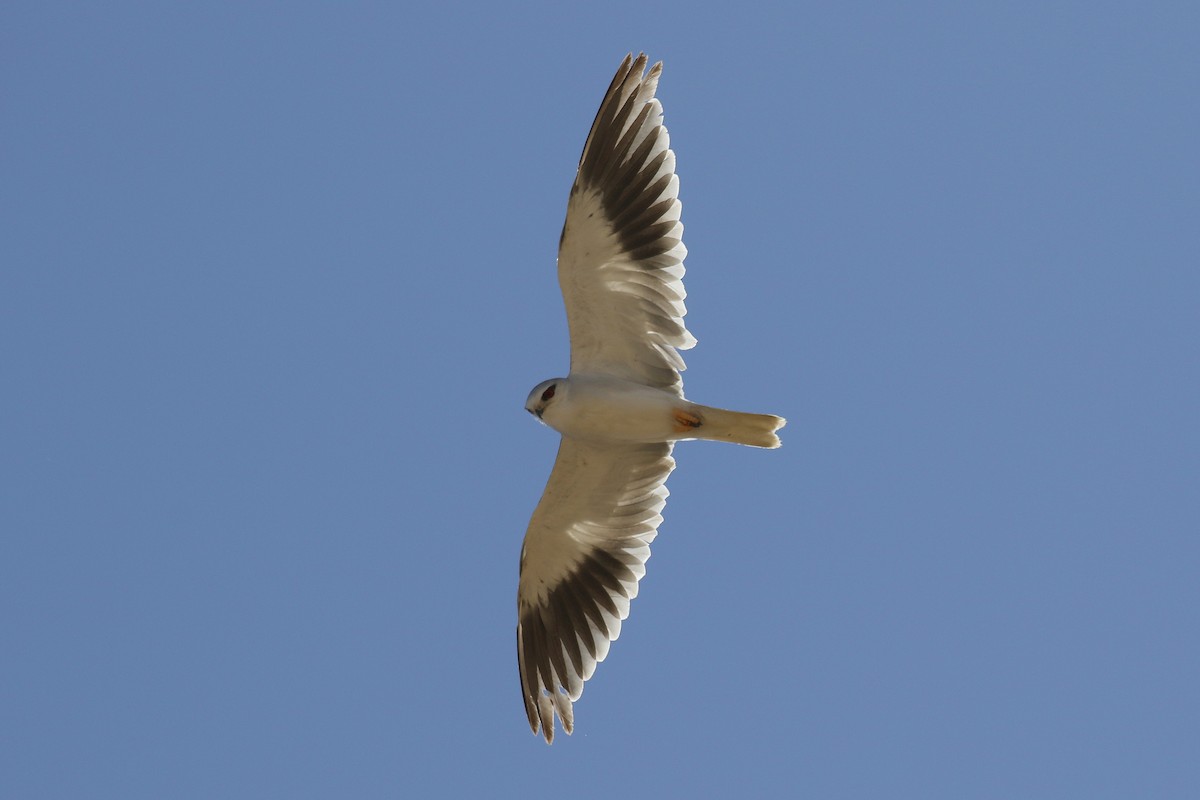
column 544, row 709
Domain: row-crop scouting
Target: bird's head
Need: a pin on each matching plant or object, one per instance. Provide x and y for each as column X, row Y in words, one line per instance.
column 543, row 395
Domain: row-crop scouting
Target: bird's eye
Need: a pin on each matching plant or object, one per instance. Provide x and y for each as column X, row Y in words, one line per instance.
column 546, row 395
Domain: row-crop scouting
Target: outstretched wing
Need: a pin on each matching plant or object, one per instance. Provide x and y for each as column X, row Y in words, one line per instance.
column 583, row 556
column 620, row 259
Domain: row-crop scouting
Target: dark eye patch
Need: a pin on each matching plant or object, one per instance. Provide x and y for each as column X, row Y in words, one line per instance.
column 546, row 395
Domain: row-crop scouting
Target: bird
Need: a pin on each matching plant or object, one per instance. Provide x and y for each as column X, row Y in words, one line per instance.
column 620, row 409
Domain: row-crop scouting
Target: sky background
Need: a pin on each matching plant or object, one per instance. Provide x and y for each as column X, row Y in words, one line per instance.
column 276, row 278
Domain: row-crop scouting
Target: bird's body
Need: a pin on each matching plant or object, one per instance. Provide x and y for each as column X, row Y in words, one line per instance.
column 600, row 408
column 621, row 408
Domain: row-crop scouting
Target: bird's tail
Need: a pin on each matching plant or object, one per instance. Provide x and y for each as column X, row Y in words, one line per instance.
column 718, row 424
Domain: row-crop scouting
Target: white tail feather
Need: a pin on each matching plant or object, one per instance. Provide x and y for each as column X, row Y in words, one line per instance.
column 754, row 430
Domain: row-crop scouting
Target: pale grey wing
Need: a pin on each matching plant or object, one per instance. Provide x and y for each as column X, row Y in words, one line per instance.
column 583, row 556
column 620, row 259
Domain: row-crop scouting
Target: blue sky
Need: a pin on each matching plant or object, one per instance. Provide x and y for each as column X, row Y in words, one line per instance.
column 275, row 280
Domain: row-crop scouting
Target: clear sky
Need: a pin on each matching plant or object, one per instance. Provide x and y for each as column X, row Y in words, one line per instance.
column 276, row 278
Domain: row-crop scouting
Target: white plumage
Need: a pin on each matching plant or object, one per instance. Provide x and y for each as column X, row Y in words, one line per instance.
column 620, row 266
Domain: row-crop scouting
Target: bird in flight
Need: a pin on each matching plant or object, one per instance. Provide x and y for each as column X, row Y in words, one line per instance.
column 621, row 408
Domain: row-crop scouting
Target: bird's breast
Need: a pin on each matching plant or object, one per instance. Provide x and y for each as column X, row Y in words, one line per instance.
column 608, row 409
